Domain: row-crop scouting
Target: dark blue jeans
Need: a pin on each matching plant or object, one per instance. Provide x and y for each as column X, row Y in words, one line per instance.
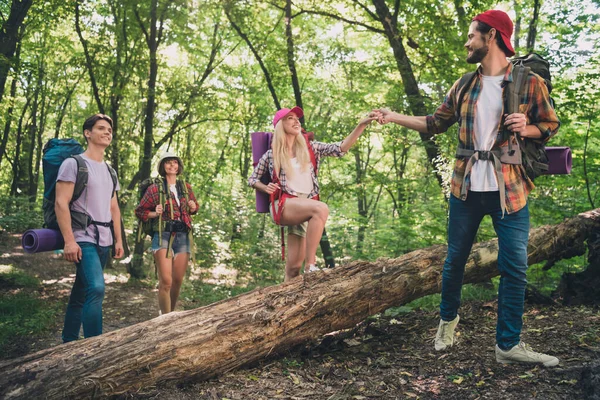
column 513, row 236
column 85, row 303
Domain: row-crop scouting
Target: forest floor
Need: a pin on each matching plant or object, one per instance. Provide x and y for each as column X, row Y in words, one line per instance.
column 388, row 356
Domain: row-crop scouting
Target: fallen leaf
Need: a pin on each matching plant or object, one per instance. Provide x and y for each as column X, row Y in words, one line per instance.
column 295, row 379
column 458, row 380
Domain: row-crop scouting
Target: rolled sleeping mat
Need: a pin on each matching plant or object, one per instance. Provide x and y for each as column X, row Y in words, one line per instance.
column 39, row 240
column 559, row 160
column 261, row 142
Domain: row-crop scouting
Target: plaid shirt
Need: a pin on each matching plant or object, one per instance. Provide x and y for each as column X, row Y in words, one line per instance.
column 534, row 103
column 266, row 163
column 180, row 212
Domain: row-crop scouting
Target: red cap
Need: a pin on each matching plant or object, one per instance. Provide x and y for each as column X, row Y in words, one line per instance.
column 500, row 21
column 285, row 111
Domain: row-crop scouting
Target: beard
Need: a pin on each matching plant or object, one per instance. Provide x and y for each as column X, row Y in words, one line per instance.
column 478, row 54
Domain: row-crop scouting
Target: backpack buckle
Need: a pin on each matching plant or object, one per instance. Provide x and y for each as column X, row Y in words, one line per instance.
column 484, row 155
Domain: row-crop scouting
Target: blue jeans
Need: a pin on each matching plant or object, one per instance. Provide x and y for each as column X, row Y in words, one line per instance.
column 85, row 303
column 513, row 236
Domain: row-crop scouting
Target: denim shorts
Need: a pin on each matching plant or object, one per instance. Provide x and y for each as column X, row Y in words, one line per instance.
column 181, row 242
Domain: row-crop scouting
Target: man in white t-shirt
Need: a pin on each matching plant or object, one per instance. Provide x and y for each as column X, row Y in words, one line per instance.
column 88, row 244
column 485, row 184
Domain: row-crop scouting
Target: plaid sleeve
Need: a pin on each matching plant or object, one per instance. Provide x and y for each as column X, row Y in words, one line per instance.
column 148, row 203
column 192, row 197
column 327, row 149
column 445, row 116
column 539, row 108
column 261, row 168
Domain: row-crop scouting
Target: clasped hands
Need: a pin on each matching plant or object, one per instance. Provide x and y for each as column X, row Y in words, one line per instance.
column 516, row 122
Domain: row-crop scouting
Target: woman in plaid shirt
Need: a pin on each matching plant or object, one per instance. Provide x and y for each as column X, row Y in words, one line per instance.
column 174, row 238
column 294, row 188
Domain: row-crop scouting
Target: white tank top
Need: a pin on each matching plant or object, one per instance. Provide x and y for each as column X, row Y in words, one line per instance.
column 487, row 118
column 301, row 181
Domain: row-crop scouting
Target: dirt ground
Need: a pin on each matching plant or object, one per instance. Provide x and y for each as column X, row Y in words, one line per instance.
column 389, row 356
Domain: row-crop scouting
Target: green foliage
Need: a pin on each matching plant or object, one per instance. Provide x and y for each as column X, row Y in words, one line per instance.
column 17, row 214
column 22, row 312
column 212, row 93
column 17, row 279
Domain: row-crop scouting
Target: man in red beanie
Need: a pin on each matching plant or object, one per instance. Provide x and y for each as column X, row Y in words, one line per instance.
column 488, row 177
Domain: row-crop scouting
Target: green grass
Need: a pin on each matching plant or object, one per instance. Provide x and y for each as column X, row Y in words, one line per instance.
column 16, row 279
column 22, row 313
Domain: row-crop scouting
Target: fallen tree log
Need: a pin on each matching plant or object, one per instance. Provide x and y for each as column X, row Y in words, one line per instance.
column 208, row 341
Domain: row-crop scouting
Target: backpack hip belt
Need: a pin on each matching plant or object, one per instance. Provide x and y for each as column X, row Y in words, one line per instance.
column 498, row 156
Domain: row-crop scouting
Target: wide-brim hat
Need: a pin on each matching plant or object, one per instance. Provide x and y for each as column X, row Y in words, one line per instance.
column 167, row 155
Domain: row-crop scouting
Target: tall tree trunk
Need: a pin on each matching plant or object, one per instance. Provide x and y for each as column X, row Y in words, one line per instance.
column 290, row 55
column 38, row 133
column 411, row 87
column 209, row 341
column 153, row 34
column 89, row 62
column 152, row 40
column 16, row 165
column 531, row 35
column 10, row 35
column 13, row 93
column 518, row 18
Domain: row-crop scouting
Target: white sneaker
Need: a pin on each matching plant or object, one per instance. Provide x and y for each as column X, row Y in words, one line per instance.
column 313, row 268
column 522, row 353
column 444, row 337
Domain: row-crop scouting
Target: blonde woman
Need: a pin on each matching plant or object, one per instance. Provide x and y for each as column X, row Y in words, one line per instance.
column 292, row 163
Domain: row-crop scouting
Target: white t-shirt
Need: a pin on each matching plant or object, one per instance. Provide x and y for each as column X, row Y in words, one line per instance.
column 173, row 189
column 95, row 200
column 301, row 181
column 487, row 118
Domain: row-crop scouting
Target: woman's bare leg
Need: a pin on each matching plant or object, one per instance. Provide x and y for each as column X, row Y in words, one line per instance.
column 297, row 211
column 180, row 264
column 164, row 266
column 296, row 250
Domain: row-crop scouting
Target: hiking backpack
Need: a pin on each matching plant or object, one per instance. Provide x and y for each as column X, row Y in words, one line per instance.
column 55, row 151
column 533, row 151
column 261, row 143
column 152, row 225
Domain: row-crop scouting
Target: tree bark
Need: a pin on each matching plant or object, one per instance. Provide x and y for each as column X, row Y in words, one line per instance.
column 411, row 86
column 10, row 36
column 532, row 34
column 209, row 341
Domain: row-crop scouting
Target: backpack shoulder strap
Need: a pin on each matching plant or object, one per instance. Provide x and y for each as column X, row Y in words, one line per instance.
column 113, row 176
column 464, row 82
column 81, row 179
column 516, row 87
column 184, row 189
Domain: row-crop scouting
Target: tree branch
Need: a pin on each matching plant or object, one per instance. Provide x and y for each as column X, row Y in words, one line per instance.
column 141, row 25
column 364, row 7
column 88, row 60
column 396, row 11
column 258, row 58
column 340, row 18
